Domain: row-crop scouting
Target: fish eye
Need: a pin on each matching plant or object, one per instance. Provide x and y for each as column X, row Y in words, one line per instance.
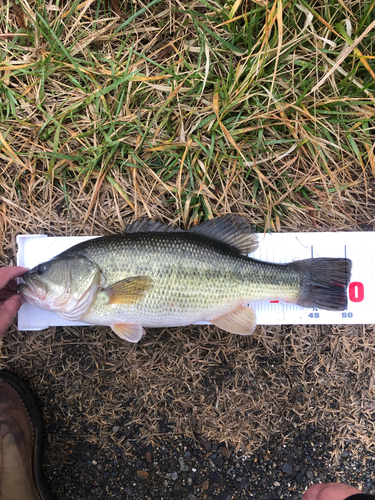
column 42, row 268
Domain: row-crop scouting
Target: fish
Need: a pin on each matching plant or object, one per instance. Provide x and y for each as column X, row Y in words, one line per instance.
column 153, row 275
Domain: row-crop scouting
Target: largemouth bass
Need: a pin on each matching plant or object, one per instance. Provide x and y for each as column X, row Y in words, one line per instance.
column 155, row 276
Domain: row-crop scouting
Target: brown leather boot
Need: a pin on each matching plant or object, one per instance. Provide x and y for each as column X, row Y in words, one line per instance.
column 21, row 476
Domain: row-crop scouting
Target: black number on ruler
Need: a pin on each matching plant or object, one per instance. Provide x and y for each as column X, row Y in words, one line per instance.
column 347, row 315
column 314, row 315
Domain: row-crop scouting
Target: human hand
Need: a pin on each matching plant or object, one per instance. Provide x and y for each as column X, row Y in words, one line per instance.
column 330, row 491
column 10, row 300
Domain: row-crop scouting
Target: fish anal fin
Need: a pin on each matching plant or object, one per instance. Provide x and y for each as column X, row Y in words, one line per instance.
column 232, row 229
column 128, row 291
column 241, row 321
column 130, row 332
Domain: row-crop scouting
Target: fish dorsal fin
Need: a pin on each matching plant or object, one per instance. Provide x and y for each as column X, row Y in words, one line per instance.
column 241, row 321
column 148, row 226
column 127, row 291
column 130, row 332
column 232, row 229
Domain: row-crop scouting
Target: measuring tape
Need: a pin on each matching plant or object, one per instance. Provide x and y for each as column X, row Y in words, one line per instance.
column 276, row 247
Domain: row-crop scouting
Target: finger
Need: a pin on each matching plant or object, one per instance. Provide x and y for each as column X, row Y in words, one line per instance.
column 12, row 285
column 5, row 294
column 313, row 492
column 329, row 491
column 8, row 310
column 10, row 273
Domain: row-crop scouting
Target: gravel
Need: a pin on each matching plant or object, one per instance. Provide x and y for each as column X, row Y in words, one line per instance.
column 184, row 469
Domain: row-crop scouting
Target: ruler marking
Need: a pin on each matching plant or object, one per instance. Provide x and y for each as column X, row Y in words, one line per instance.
column 347, row 302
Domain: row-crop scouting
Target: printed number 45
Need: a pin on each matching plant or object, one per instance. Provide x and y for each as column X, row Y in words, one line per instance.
column 314, row 315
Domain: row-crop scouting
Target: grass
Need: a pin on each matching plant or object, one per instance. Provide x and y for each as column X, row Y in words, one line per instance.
column 183, row 112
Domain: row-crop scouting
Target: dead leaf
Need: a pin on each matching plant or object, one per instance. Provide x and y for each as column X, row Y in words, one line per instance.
column 7, row 36
column 226, row 453
column 115, row 7
column 142, row 474
column 20, row 16
column 371, row 157
column 164, row 54
column 312, row 212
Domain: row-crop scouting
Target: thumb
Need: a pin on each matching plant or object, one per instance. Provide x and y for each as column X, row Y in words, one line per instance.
column 330, row 491
column 8, row 310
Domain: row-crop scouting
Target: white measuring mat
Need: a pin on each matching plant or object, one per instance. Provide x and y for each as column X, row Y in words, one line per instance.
column 277, row 247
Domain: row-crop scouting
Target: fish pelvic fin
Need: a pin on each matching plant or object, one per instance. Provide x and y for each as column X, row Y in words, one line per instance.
column 323, row 283
column 232, row 229
column 127, row 291
column 241, row 321
column 130, row 332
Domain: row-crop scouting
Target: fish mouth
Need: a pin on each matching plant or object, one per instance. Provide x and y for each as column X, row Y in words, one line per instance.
column 32, row 289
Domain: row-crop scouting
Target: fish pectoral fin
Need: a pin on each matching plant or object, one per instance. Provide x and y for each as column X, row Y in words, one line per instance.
column 241, row 321
column 128, row 291
column 130, row 332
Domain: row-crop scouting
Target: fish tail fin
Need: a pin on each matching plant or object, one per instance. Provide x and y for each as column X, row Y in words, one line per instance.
column 324, row 282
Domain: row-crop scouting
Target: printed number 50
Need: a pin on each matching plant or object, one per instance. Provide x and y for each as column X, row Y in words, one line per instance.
column 347, row 315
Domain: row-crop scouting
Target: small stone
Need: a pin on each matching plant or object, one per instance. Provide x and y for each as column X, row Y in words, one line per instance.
column 187, row 454
column 345, row 454
column 299, row 475
column 310, row 475
column 94, row 462
column 225, row 496
column 276, row 484
column 183, row 466
column 287, row 468
column 192, row 497
column 142, row 474
column 206, row 443
column 205, row 484
column 115, row 428
column 148, row 457
column 226, row 452
column 266, row 457
column 174, row 476
column 213, row 477
column 218, row 461
column 243, row 484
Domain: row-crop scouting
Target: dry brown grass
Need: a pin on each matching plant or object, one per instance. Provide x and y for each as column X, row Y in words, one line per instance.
column 205, row 383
